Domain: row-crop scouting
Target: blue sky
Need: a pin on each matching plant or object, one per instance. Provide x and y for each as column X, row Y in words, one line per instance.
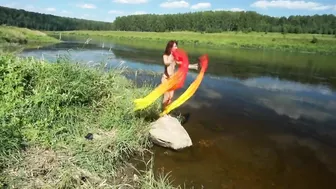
column 107, row 10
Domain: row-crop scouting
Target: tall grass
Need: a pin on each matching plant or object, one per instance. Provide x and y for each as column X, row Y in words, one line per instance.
column 14, row 37
column 67, row 125
column 253, row 40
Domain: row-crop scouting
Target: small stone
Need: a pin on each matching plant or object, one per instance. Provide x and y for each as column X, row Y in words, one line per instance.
column 135, row 178
column 168, row 132
column 89, row 136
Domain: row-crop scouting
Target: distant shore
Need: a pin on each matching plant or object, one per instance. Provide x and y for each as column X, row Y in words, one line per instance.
column 308, row 43
column 11, row 36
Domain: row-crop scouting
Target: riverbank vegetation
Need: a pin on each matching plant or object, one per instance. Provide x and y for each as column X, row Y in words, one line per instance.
column 66, row 125
column 11, row 36
column 223, row 21
column 201, row 21
column 244, row 29
column 48, row 22
column 311, row 43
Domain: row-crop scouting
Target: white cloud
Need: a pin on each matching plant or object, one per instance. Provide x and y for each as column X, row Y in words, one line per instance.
column 50, row 9
column 174, row 4
column 131, row 1
column 201, row 6
column 236, row 9
column 288, row 4
column 115, row 12
column 231, row 9
column 87, row 6
column 139, row 12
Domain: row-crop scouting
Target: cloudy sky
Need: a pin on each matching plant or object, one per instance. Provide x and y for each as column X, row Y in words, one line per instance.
column 107, row 10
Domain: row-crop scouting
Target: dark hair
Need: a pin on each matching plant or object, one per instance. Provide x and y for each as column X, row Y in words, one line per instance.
column 169, row 46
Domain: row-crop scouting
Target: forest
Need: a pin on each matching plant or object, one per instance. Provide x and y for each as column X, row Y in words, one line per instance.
column 47, row 22
column 206, row 21
column 220, row 21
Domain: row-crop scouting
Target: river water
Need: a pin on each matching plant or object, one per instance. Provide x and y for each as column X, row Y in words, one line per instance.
column 260, row 119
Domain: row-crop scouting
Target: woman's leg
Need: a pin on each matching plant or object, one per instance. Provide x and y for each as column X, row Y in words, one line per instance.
column 171, row 95
column 166, row 95
column 167, row 99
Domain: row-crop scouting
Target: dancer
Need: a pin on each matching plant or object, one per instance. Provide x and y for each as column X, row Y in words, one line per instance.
column 169, row 70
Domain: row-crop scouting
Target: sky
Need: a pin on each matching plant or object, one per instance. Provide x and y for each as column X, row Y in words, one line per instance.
column 108, row 10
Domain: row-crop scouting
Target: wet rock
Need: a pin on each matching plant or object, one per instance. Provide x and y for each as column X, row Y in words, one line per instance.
column 168, row 132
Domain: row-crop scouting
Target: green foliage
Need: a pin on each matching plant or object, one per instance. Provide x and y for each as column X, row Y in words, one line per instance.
column 40, row 105
column 220, row 21
column 314, row 40
column 23, row 36
column 47, row 109
column 255, row 40
column 205, row 21
column 39, row 21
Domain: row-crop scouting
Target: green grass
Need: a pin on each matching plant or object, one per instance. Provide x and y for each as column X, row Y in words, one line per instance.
column 47, row 109
column 14, row 36
column 276, row 41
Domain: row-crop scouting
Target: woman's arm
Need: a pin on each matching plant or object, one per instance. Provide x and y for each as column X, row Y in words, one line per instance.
column 166, row 60
column 193, row 66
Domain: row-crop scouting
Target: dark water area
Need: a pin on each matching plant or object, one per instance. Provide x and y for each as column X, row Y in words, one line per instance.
column 253, row 124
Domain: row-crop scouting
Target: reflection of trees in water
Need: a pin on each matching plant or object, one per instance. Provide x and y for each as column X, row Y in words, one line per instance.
column 240, row 64
column 244, row 70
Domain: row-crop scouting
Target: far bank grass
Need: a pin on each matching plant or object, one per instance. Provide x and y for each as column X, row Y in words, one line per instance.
column 48, row 112
column 311, row 43
column 11, row 36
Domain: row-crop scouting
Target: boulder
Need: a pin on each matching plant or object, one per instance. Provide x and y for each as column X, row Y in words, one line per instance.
column 168, row 132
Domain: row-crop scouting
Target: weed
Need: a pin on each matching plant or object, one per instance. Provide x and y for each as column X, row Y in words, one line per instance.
column 46, row 112
column 23, row 36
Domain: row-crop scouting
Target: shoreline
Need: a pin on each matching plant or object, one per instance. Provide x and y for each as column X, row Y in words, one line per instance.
column 302, row 43
column 69, row 125
column 13, row 38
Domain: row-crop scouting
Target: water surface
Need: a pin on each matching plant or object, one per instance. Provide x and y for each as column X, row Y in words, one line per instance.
column 259, row 119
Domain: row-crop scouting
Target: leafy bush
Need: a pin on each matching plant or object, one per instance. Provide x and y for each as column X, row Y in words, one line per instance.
column 314, row 40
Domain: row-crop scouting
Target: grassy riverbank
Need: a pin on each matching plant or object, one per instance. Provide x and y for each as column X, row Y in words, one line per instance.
column 276, row 41
column 15, row 36
column 48, row 110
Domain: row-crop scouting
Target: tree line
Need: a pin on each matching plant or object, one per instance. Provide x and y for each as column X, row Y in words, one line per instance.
column 39, row 21
column 206, row 21
column 219, row 21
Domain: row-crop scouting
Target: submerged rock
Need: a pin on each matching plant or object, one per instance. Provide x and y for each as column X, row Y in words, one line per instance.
column 168, row 132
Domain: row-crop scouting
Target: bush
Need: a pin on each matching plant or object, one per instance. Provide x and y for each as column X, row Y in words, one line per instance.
column 43, row 104
column 314, row 40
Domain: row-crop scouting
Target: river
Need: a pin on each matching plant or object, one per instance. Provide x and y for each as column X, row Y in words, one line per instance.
column 260, row 119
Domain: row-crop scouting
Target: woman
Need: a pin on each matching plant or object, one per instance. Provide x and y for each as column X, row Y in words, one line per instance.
column 169, row 70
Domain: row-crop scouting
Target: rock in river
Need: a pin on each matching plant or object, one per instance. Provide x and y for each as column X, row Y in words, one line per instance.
column 168, row 132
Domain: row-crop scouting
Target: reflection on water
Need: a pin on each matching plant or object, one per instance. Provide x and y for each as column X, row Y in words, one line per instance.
column 274, row 84
column 252, row 126
column 288, row 98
